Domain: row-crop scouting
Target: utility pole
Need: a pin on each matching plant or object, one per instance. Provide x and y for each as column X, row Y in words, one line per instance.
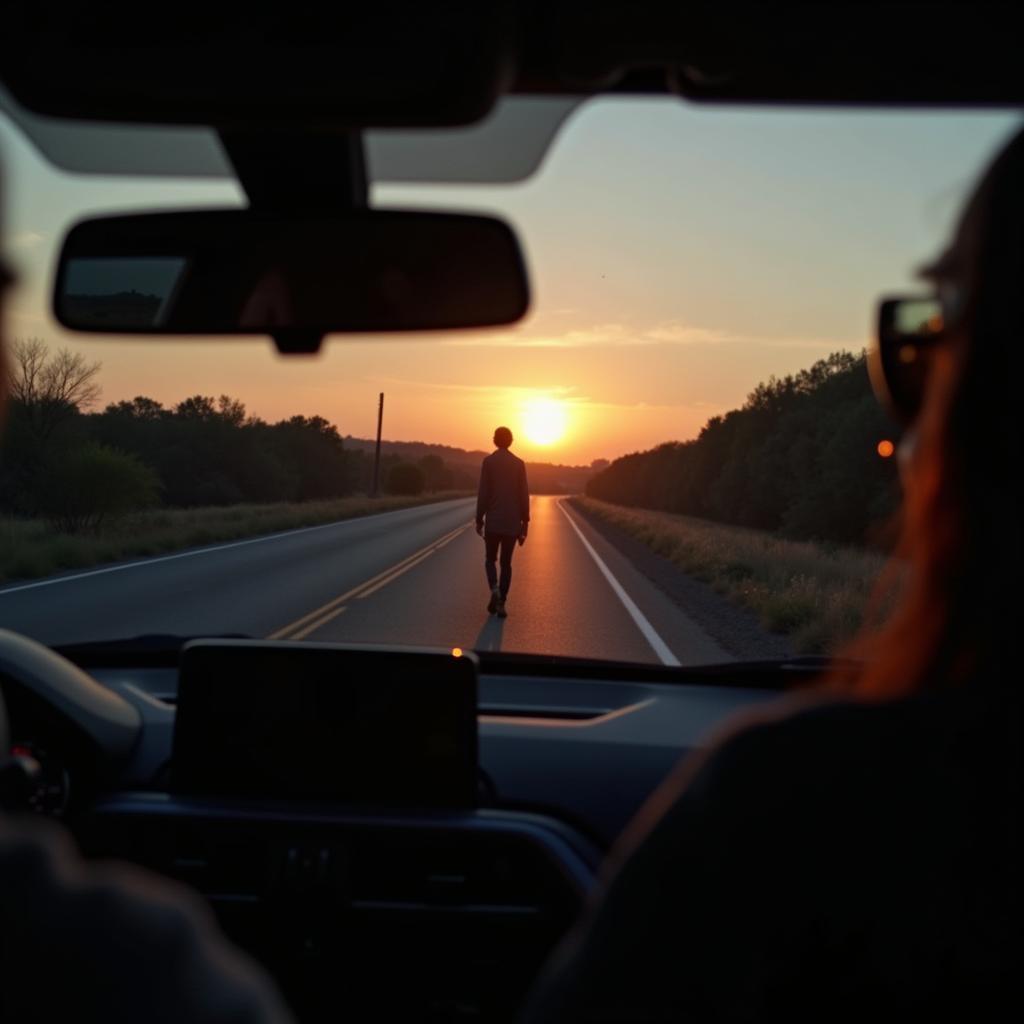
column 376, row 456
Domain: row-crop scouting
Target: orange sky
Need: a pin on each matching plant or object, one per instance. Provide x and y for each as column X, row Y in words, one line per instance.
column 678, row 258
column 453, row 391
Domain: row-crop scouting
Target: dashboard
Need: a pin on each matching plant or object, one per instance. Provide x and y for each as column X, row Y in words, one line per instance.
column 587, row 751
column 462, row 901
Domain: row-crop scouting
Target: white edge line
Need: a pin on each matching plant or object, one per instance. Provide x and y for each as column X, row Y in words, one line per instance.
column 659, row 646
column 142, row 562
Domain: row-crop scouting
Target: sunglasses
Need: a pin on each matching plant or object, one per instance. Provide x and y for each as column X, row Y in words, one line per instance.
column 908, row 331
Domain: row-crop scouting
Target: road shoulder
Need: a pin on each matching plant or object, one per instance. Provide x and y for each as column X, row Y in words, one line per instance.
column 736, row 629
column 685, row 637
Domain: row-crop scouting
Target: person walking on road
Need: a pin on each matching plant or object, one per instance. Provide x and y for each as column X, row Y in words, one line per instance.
column 502, row 515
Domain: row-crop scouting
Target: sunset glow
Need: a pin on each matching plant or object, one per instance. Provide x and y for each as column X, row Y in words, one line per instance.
column 544, row 421
column 661, row 294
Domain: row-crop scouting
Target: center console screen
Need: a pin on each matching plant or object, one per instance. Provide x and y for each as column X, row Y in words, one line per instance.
column 321, row 722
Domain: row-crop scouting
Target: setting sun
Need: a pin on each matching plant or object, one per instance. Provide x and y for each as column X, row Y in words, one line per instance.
column 544, row 420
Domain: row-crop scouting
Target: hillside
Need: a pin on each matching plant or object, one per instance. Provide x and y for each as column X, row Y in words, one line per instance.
column 544, row 477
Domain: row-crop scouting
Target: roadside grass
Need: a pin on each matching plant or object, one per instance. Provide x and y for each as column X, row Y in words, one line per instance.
column 32, row 548
column 815, row 594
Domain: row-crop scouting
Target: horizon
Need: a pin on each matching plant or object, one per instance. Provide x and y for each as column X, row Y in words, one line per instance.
column 468, row 451
column 679, row 256
column 102, row 406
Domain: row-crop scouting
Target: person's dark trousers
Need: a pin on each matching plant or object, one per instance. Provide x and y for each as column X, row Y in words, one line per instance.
column 506, row 544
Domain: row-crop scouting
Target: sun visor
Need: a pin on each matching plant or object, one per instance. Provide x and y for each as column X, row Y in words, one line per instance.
column 507, row 146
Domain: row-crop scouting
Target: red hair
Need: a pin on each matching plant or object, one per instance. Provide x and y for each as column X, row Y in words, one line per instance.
column 958, row 559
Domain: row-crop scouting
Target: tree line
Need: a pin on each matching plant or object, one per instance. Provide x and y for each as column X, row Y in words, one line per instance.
column 800, row 457
column 77, row 468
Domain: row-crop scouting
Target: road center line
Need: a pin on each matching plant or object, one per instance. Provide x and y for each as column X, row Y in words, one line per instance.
column 403, row 568
column 351, row 593
column 398, row 572
column 659, row 646
column 313, row 620
column 317, row 623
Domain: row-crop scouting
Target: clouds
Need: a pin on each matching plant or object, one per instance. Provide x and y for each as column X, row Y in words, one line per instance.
column 484, row 391
column 674, row 332
column 538, row 334
column 569, row 396
column 616, row 334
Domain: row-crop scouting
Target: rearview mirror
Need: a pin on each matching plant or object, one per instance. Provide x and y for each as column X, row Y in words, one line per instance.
column 294, row 277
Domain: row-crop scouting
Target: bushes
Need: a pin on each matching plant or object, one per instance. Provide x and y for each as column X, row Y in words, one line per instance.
column 799, row 458
column 209, row 451
column 202, row 452
column 406, row 478
column 77, row 469
column 86, row 485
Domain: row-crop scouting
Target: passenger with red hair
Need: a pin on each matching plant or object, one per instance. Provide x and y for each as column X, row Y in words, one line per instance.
column 855, row 855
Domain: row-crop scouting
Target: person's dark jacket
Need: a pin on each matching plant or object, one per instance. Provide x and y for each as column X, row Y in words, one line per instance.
column 848, row 862
column 91, row 942
column 503, row 500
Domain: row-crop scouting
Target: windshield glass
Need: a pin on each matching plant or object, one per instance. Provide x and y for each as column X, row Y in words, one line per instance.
column 709, row 475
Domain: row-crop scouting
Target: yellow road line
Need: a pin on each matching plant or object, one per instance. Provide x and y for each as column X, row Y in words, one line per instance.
column 398, row 572
column 334, row 602
column 409, row 565
column 441, row 543
column 313, row 620
column 317, row 623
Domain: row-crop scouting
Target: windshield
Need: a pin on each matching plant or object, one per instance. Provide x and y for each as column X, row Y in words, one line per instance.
column 705, row 475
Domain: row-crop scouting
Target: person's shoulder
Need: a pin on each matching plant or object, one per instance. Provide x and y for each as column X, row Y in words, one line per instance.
column 830, row 749
column 834, row 715
column 847, row 726
column 765, row 746
column 768, row 754
column 111, row 922
column 816, row 729
column 32, row 849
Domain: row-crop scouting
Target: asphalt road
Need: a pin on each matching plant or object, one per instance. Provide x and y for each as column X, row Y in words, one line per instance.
column 414, row 576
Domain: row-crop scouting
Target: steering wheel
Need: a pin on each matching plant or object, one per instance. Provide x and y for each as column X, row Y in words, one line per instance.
column 108, row 720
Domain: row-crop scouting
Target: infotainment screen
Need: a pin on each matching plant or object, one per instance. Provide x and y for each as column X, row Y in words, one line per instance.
column 315, row 721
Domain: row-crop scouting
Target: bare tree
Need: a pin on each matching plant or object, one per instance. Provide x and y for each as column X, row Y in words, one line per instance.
column 51, row 386
column 28, row 357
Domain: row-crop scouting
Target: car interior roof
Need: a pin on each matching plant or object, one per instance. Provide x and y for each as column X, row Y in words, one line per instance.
column 402, row 65
column 506, row 147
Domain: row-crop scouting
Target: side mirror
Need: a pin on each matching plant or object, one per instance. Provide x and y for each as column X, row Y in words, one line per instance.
column 908, row 329
column 296, row 278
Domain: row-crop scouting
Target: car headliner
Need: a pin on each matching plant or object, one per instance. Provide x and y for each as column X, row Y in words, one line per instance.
column 403, row 70
column 507, row 146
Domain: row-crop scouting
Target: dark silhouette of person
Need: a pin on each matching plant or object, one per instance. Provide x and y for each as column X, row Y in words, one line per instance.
column 855, row 854
column 502, row 515
column 105, row 942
